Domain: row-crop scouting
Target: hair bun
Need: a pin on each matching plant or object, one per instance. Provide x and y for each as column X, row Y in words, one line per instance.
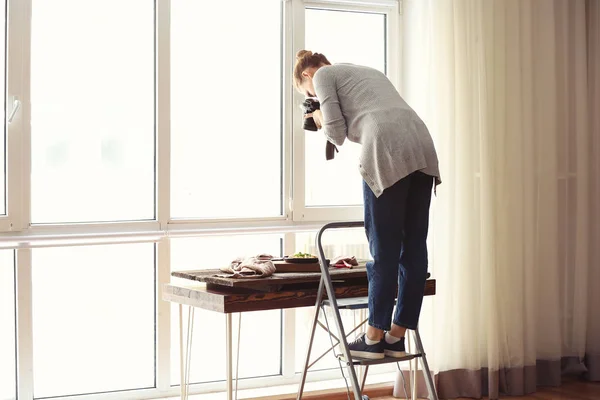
column 303, row 53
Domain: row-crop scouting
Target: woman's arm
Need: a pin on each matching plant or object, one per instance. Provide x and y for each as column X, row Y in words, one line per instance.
column 333, row 122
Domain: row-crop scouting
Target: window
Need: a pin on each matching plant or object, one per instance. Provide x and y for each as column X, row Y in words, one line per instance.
column 226, row 133
column 337, row 183
column 8, row 364
column 145, row 137
column 93, row 313
column 257, row 327
column 92, row 110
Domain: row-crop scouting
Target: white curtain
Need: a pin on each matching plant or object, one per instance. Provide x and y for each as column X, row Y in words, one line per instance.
column 503, row 87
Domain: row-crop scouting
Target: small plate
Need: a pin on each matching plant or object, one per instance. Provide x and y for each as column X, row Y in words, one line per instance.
column 301, row 260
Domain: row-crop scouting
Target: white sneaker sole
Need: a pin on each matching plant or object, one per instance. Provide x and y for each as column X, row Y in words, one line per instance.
column 395, row 354
column 367, row 354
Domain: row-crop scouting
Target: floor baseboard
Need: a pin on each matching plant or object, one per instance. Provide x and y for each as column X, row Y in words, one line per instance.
column 379, row 390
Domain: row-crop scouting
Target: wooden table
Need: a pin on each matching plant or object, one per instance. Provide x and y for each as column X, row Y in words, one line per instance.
column 280, row 291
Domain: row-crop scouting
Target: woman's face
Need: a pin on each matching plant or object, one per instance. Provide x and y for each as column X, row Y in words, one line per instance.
column 307, row 87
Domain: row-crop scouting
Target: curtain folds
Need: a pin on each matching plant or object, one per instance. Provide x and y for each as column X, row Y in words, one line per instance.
column 510, row 92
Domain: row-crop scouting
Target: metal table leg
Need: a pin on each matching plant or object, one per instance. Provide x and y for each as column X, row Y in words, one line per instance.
column 228, row 351
column 181, row 363
column 310, row 342
column 237, row 350
column 185, row 359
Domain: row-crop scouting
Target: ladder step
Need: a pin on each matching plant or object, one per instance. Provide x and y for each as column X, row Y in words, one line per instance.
column 353, row 303
column 385, row 360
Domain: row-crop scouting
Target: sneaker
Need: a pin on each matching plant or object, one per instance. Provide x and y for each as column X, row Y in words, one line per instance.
column 396, row 350
column 359, row 348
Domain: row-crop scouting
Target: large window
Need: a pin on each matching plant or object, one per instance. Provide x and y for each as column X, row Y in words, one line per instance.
column 226, row 109
column 144, row 137
column 92, row 110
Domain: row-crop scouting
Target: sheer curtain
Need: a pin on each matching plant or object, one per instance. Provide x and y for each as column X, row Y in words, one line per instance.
column 503, row 86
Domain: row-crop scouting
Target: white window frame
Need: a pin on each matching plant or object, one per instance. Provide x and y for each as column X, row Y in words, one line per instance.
column 17, row 92
column 391, row 9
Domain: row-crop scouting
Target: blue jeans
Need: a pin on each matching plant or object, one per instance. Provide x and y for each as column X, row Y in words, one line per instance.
column 396, row 225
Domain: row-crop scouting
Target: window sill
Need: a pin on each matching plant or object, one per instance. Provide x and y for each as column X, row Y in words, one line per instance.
column 145, row 232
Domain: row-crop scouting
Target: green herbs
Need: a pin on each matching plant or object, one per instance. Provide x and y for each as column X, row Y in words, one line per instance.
column 303, row 255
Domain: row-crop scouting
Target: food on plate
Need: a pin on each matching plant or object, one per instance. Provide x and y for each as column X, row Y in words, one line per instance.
column 303, row 255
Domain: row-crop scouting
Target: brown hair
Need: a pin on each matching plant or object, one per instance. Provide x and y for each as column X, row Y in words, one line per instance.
column 307, row 59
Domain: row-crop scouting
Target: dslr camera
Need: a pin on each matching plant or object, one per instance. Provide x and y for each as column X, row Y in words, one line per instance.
column 308, row 107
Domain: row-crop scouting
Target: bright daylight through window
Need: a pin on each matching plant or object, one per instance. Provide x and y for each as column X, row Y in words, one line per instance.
column 92, row 110
column 82, row 321
column 333, row 33
column 226, row 156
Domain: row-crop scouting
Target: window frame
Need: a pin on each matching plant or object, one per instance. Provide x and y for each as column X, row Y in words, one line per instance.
column 17, row 131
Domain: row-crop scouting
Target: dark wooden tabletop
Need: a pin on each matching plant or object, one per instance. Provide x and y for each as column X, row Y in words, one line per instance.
column 284, row 290
column 272, row 283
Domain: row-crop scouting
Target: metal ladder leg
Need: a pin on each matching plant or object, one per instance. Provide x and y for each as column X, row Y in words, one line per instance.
column 342, row 335
column 364, row 379
column 427, row 373
column 412, row 373
column 312, row 336
column 326, row 279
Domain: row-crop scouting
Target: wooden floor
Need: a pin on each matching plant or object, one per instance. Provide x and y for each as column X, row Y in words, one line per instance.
column 572, row 390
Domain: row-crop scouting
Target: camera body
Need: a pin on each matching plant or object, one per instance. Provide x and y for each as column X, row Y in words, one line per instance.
column 308, row 107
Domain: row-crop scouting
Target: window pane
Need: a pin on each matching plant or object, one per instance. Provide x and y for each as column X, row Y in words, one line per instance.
column 209, row 327
column 93, row 319
column 8, row 365
column 225, row 108
column 92, row 93
column 350, row 242
column 334, row 33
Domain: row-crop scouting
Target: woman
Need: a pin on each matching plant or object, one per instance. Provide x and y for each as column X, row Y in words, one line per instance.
column 399, row 166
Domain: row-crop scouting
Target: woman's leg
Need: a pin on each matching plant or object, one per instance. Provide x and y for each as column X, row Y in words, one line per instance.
column 384, row 222
column 414, row 260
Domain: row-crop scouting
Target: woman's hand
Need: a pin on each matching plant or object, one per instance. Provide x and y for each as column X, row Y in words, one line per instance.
column 317, row 115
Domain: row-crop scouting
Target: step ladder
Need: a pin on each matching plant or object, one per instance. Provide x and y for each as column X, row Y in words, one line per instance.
column 326, row 289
